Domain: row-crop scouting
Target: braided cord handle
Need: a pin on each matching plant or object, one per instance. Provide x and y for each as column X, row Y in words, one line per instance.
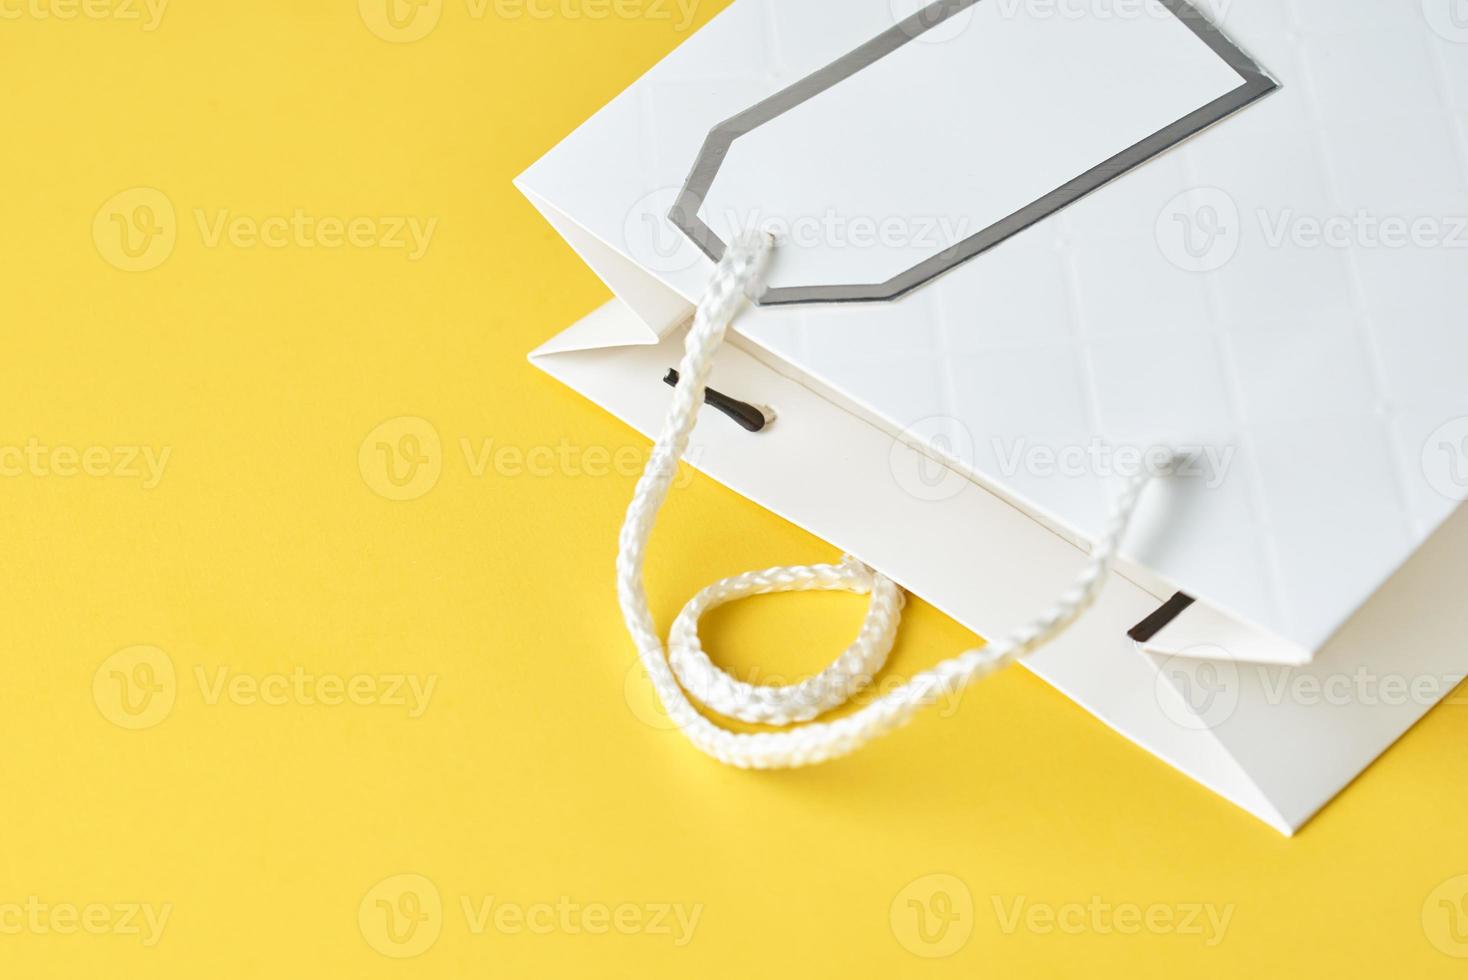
column 683, row 673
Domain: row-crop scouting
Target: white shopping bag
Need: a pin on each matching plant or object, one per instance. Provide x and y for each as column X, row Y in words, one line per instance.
column 1021, row 245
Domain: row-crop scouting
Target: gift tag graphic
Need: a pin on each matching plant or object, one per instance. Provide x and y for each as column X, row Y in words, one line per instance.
column 899, row 161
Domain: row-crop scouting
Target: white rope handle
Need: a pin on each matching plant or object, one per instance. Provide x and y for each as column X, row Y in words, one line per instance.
column 738, row 274
column 781, row 705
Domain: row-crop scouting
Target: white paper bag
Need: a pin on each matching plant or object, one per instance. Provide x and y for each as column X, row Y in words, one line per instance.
column 1112, row 279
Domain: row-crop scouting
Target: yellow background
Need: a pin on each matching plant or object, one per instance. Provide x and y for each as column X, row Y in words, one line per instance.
column 536, row 774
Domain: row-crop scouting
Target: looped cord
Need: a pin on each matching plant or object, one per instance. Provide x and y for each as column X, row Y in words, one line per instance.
column 781, row 705
column 684, row 671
